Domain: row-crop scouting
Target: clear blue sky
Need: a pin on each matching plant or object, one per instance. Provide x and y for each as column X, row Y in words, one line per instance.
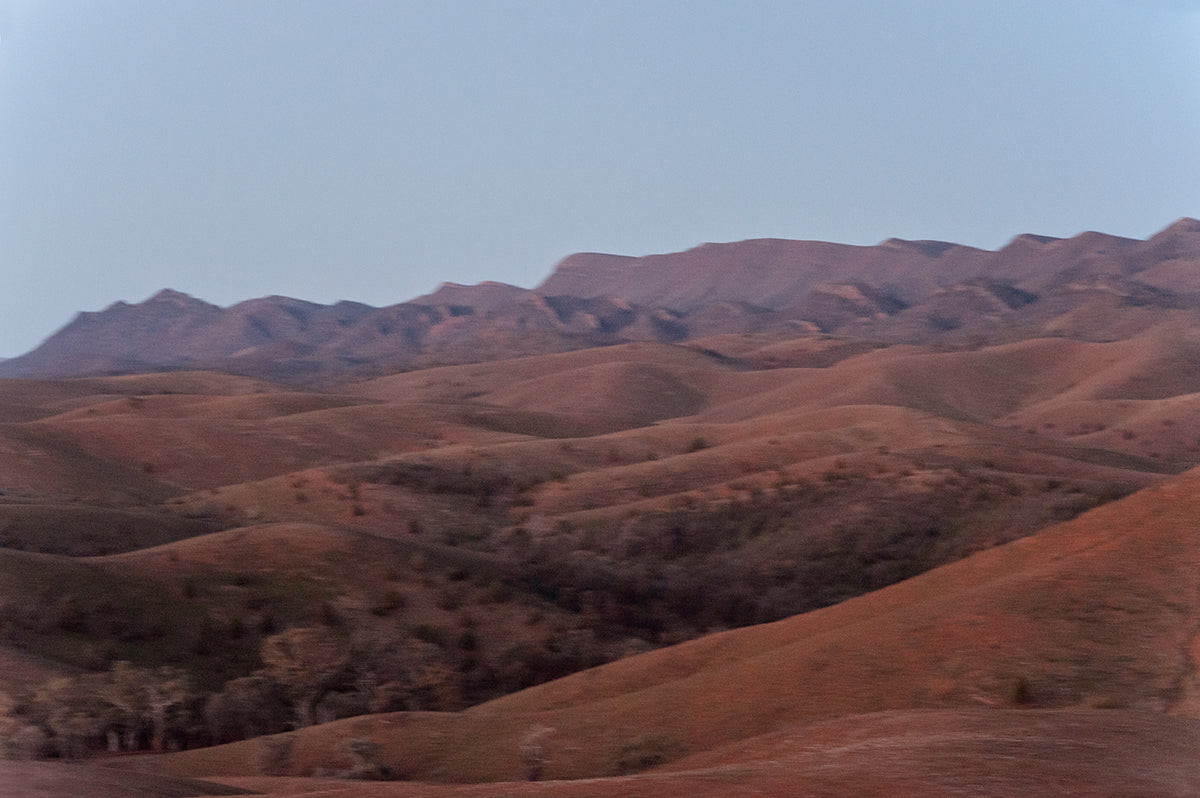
column 370, row 150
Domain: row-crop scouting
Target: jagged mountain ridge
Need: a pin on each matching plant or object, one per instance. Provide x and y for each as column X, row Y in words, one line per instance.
column 1091, row 286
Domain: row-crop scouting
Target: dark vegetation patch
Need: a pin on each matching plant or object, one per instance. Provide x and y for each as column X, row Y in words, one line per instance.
column 411, row 623
column 485, row 485
column 82, row 531
column 670, row 575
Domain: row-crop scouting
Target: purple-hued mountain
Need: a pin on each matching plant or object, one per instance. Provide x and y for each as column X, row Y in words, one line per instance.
column 1092, row 286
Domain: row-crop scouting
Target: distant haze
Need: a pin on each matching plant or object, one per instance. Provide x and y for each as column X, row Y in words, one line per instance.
column 371, row 150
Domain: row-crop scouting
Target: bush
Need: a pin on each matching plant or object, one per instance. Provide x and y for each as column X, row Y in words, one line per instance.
column 534, row 752
column 388, row 602
column 364, row 752
column 1021, row 692
column 275, row 754
column 644, row 752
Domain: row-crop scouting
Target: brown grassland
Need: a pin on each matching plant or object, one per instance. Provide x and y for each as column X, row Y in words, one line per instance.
column 737, row 565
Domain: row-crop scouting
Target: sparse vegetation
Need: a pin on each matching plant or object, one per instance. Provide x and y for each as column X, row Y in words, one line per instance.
column 435, row 555
column 534, row 751
column 644, row 752
column 275, row 754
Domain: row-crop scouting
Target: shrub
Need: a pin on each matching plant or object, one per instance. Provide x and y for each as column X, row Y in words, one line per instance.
column 451, row 597
column 390, row 601
column 275, row 754
column 646, row 751
column 364, row 752
column 1021, row 692
column 534, row 753
column 429, row 633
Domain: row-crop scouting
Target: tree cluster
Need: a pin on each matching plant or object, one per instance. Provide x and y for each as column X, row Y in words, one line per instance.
column 123, row 709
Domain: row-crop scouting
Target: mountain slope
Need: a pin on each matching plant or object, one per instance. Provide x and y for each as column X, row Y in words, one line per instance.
column 1092, row 287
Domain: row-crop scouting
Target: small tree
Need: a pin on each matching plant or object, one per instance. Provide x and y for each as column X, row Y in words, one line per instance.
column 275, row 754
column 18, row 738
column 533, row 751
column 167, row 689
column 139, row 699
column 246, row 707
column 364, row 752
column 73, row 713
column 124, row 690
column 308, row 662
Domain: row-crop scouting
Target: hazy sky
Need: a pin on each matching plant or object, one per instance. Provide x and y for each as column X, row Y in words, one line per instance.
column 371, row 150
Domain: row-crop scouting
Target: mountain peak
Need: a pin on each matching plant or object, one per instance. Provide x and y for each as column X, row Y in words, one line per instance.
column 930, row 249
column 1185, row 224
column 1031, row 239
column 169, row 296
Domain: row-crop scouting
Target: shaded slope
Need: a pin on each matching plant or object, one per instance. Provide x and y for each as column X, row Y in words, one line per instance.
column 1102, row 610
column 81, row 530
column 922, row 754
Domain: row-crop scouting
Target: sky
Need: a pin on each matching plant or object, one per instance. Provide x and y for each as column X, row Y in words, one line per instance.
column 371, row 150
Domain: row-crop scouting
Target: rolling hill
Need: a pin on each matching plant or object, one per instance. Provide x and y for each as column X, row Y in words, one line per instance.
column 913, row 519
column 1093, row 621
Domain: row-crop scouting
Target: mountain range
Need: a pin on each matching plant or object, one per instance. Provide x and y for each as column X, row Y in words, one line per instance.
column 1092, row 287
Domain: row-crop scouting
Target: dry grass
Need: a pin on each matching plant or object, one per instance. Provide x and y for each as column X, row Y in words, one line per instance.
column 400, row 480
column 53, row 779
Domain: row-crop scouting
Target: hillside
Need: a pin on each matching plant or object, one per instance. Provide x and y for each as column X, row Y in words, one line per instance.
column 1099, row 612
column 921, row 525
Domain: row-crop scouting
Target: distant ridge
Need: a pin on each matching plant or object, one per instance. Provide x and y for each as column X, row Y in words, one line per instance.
column 1090, row 287
column 485, row 296
column 776, row 273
